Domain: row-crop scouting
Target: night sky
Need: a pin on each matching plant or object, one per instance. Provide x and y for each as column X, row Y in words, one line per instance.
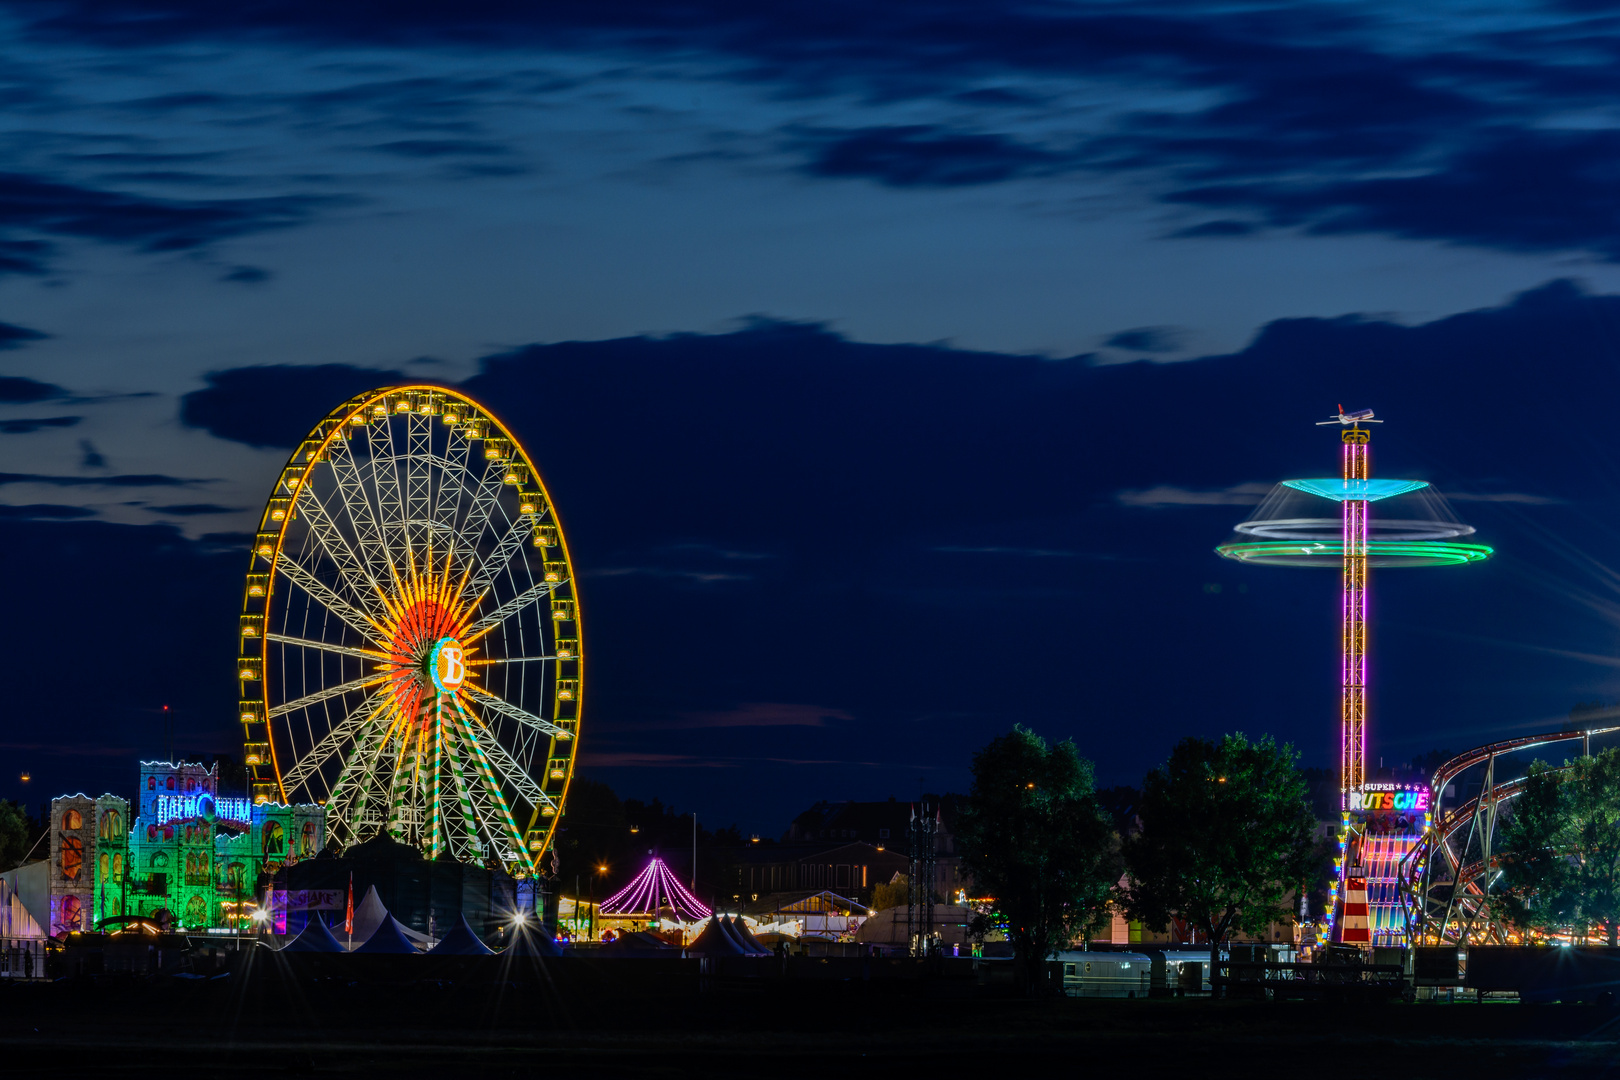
column 895, row 368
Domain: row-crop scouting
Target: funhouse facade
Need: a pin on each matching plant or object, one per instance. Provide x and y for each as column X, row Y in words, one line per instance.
column 190, row 858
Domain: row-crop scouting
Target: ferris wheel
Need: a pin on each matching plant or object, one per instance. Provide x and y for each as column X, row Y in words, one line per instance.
column 410, row 647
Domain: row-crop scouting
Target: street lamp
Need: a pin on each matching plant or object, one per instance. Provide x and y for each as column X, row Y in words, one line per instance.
column 601, row 871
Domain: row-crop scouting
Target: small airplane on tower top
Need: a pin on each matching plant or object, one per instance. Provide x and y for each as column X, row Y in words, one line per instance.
column 1360, row 416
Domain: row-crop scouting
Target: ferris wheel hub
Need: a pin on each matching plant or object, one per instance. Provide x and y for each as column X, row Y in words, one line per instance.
column 447, row 664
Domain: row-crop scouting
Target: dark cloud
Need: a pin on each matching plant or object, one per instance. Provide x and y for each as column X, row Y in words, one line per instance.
column 923, row 156
column 93, row 458
column 1298, row 116
column 16, row 390
column 15, row 337
column 1073, row 507
column 177, row 596
column 131, row 480
column 35, row 204
column 37, row 423
column 246, row 275
column 1526, row 191
column 195, row 509
column 440, row 148
column 43, row 512
column 1150, row 339
column 23, row 256
column 1222, row 227
column 275, row 405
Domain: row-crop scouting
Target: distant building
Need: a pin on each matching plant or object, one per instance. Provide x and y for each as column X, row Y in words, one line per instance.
column 851, row 870
column 850, row 848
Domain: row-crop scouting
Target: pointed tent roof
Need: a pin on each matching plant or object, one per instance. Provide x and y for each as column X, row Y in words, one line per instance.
column 368, row 915
column 371, row 914
column 714, row 941
column 315, row 937
column 747, row 936
column 461, row 941
column 729, row 927
column 389, row 938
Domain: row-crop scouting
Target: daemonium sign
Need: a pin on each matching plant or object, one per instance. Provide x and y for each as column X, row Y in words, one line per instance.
column 1389, row 801
column 171, row 807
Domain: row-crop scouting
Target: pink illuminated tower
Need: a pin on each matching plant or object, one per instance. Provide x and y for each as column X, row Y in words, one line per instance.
column 1353, row 709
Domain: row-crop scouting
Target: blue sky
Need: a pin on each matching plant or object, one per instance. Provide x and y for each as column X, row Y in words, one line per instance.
column 1073, row 278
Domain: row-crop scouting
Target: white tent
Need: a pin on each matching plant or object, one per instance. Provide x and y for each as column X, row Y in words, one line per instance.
column 370, row 914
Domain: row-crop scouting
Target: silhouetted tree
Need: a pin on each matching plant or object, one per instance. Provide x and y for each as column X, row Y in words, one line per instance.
column 1227, row 834
column 891, row 894
column 1034, row 837
column 15, row 834
column 1559, row 850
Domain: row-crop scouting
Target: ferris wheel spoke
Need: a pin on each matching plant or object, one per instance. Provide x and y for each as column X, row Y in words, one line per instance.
column 532, row 595
column 418, row 480
column 357, row 504
column 463, row 841
column 390, row 505
column 361, row 715
column 327, row 694
column 511, row 774
column 325, row 646
column 353, row 800
column 512, row 712
column 361, row 586
column 486, row 574
column 483, row 505
column 454, row 480
column 295, row 572
column 506, row 839
column 321, row 593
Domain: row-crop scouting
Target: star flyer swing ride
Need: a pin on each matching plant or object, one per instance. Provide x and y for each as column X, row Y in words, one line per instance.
column 410, row 646
column 1380, row 823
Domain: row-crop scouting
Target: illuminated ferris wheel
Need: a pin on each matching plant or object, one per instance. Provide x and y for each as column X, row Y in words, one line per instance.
column 410, row 647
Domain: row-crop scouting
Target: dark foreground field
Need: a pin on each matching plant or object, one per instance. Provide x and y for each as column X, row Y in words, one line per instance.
column 275, row 1017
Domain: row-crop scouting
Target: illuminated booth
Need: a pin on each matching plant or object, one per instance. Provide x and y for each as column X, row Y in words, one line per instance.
column 189, row 856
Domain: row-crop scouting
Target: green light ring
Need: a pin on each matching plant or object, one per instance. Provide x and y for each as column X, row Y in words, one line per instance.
column 1331, row 553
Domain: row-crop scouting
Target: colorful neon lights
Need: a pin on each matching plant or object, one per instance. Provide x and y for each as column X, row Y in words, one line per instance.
column 1373, row 802
column 1356, row 488
column 1378, row 553
column 175, row 807
column 1353, row 715
column 654, row 888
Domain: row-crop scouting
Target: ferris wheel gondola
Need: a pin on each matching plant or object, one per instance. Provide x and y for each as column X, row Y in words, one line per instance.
column 410, row 648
